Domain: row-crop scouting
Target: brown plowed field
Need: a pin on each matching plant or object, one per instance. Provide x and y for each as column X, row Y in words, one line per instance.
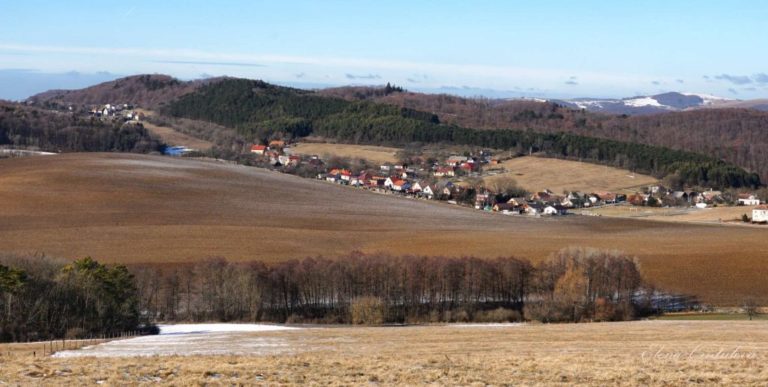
column 150, row 209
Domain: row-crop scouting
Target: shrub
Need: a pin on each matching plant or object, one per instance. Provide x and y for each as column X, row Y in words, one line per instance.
column 498, row 315
column 75, row 333
column 548, row 311
column 367, row 311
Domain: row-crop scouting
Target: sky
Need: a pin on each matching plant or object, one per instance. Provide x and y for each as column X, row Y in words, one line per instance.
column 547, row 49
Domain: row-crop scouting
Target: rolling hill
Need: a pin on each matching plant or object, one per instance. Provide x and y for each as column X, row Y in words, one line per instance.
column 140, row 209
column 147, row 90
column 383, row 116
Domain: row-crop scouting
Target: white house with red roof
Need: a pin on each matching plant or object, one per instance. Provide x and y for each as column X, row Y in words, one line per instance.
column 259, row 149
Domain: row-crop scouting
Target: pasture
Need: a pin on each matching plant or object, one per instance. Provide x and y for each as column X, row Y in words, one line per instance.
column 374, row 154
column 539, row 173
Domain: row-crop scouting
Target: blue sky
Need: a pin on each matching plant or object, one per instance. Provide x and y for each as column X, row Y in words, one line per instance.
column 495, row 48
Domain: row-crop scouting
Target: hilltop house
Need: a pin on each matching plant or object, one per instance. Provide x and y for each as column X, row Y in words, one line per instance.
column 760, row 214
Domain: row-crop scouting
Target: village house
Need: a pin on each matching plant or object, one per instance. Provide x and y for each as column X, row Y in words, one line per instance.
column 482, row 200
column 398, row 185
column 258, row 149
column 746, row 199
column 445, row 172
column 508, row 208
column 345, row 175
column 679, row 195
column 416, row 188
column 277, row 144
column 456, row 160
column 427, row 191
column 760, row 214
column 608, row 197
column 710, row 196
column 554, row 210
column 637, row 199
column 533, row 208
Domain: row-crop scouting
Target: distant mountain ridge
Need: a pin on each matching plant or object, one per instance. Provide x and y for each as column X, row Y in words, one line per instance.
column 652, row 104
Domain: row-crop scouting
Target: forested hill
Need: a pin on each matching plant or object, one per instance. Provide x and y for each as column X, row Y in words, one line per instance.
column 27, row 127
column 739, row 136
column 148, row 91
column 260, row 111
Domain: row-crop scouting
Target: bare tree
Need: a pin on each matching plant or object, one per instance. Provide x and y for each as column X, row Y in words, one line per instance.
column 750, row 307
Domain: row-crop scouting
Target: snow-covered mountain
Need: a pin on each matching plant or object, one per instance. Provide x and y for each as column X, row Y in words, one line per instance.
column 666, row 102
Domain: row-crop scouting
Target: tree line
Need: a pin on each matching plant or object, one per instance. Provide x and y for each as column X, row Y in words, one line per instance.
column 601, row 285
column 45, row 298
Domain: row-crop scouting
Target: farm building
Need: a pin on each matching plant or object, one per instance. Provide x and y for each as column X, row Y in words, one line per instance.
column 760, row 214
column 748, row 200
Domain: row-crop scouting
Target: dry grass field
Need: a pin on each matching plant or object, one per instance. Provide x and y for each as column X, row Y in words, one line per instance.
column 149, row 209
column 173, row 137
column 375, row 154
column 539, row 173
column 730, row 214
column 632, row 353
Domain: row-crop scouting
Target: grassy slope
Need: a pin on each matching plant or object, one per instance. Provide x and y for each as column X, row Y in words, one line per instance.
column 375, row 154
column 137, row 208
column 538, row 173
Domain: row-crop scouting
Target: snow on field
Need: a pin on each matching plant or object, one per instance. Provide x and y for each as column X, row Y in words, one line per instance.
column 487, row 325
column 213, row 328
column 193, row 339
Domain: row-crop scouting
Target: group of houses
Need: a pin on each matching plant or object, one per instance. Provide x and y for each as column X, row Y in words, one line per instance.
column 440, row 182
column 276, row 153
column 123, row 111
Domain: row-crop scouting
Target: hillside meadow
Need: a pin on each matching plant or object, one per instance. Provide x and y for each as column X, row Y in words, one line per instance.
column 139, row 209
column 631, row 353
column 375, row 154
column 539, row 173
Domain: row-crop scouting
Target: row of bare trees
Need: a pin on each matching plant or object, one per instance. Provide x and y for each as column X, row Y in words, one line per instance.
column 43, row 298
column 573, row 285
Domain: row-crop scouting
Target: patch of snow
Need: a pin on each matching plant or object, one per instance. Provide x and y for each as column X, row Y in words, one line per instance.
column 175, row 329
column 487, row 325
column 194, row 339
column 22, row 152
column 642, row 101
column 586, row 104
column 708, row 98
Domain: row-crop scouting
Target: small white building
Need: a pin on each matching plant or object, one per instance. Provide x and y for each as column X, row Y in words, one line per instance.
column 749, row 200
column 760, row 214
